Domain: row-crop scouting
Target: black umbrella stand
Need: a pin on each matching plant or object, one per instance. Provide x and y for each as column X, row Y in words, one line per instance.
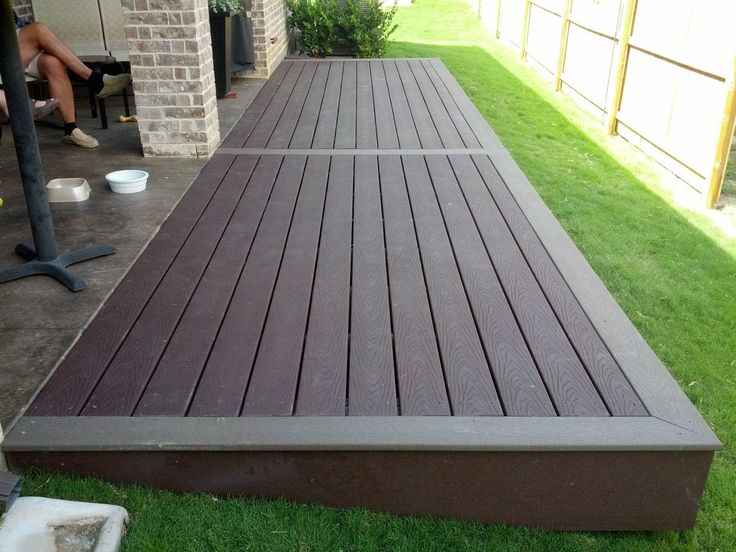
column 44, row 257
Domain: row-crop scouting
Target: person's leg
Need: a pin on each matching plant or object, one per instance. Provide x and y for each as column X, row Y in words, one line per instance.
column 3, row 104
column 37, row 37
column 54, row 71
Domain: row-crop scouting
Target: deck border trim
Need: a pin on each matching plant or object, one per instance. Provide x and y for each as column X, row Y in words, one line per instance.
column 340, row 433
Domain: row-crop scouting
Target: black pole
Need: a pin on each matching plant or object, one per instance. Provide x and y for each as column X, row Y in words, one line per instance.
column 24, row 135
column 44, row 258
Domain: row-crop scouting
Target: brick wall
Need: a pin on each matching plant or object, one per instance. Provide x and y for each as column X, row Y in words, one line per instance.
column 173, row 79
column 269, row 34
column 23, row 9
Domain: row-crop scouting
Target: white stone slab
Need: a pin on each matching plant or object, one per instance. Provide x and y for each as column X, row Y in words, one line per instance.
column 48, row 525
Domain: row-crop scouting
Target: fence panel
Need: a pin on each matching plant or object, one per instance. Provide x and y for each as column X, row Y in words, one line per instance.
column 543, row 41
column 660, row 73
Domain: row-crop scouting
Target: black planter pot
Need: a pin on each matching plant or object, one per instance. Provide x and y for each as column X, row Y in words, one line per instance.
column 221, row 32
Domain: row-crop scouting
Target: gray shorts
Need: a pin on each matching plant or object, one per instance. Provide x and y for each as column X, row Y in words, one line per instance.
column 31, row 69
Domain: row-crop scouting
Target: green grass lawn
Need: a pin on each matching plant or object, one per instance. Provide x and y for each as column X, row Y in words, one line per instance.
column 671, row 270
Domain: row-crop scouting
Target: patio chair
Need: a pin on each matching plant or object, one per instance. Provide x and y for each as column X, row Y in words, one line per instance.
column 79, row 23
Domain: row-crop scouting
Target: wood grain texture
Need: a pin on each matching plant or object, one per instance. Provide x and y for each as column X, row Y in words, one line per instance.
column 242, row 129
column 567, row 381
column 324, row 134
column 118, row 391
column 365, row 132
column 613, row 387
column 371, row 381
column 271, row 116
column 403, row 120
column 515, row 373
column 385, row 125
column 284, row 129
column 467, row 374
column 419, row 374
column 458, row 119
column 346, row 115
column 275, row 375
column 444, row 124
column 76, row 376
column 222, row 388
column 323, row 382
column 307, row 124
column 426, row 130
column 175, row 379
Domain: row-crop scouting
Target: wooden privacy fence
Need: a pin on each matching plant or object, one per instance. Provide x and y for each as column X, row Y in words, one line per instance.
column 660, row 73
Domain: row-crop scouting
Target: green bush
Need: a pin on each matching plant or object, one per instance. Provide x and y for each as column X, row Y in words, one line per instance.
column 316, row 20
column 359, row 26
column 224, row 6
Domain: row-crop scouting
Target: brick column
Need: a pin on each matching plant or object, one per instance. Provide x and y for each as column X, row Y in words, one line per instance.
column 173, row 79
column 270, row 34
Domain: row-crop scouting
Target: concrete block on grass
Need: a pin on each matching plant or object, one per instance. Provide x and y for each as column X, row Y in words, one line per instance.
column 49, row 525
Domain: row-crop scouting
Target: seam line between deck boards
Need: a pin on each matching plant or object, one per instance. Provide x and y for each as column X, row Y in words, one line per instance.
column 273, row 151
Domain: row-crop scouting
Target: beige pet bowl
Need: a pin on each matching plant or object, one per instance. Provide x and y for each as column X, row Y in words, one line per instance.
column 65, row 190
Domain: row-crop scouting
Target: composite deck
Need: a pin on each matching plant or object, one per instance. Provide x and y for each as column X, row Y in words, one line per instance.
column 362, row 301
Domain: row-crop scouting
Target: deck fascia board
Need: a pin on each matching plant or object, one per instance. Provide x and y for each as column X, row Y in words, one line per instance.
column 338, row 433
column 655, row 386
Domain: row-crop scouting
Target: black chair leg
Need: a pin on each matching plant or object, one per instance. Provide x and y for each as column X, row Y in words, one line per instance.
column 92, row 102
column 125, row 102
column 103, row 112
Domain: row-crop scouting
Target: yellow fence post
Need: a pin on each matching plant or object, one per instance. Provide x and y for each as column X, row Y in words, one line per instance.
column 622, row 57
column 723, row 146
column 497, row 29
column 563, row 44
column 525, row 29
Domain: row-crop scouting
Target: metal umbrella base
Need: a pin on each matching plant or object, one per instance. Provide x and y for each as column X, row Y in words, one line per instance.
column 57, row 267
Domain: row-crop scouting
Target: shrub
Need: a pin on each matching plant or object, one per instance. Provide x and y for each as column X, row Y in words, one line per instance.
column 316, row 20
column 224, row 6
column 365, row 27
column 360, row 26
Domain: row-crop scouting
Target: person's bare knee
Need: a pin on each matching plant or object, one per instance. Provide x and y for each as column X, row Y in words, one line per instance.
column 51, row 68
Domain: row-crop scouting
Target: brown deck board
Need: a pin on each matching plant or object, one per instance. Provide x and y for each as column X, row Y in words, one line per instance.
column 403, row 119
column 347, row 112
column 284, row 130
column 188, row 350
column 567, row 381
column 289, row 90
column 324, row 134
column 307, row 123
column 119, row 389
column 365, row 129
column 419, row 371
column 77, row 375
column 323, row 382
column 383, row 110
column 363, row 278
column 453, row 111
column 428, row 135
column 371, row 378
column 225, row 379
column 444, row 124
column 250, row 118
column 275, row 375
column 469, row 381
column 614, row 388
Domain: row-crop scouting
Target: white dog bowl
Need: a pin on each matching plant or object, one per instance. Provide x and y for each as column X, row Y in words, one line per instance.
column 64, row 190
column 128, row 181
